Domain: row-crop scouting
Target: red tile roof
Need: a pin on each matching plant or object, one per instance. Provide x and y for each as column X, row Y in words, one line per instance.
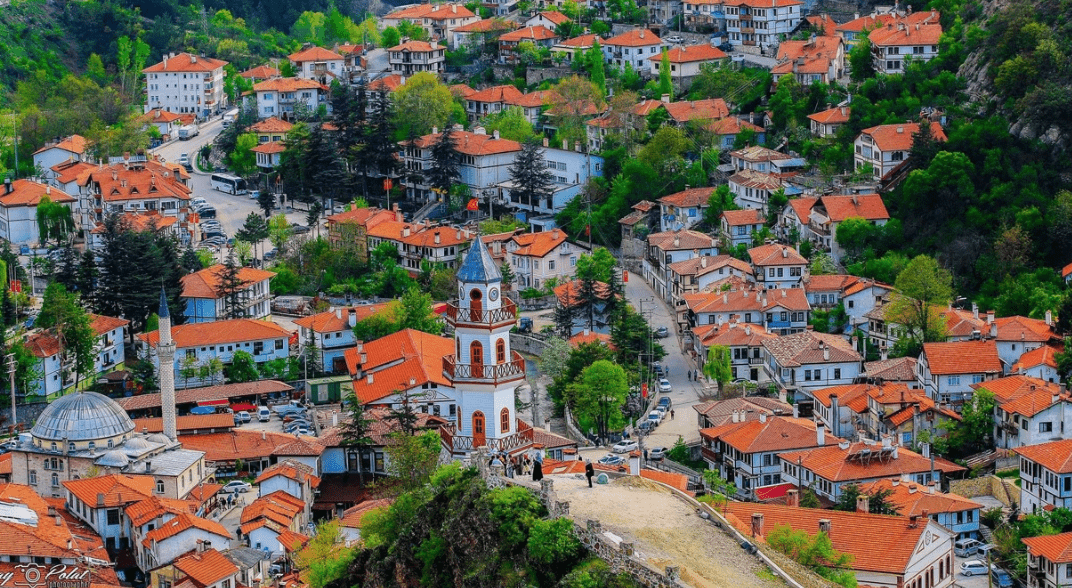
column 30, row 193
column 1034, row 402
column 421, row 362
column 691, row 53
column 475, row 144
column 1055, row 548
column 260, row 72
column 184, row 62
column 732, row 335
column 536, row 33
column 1015, row 386
column 75, row 144
column 866, row 206
column 838, row 463
column 822, row 23
column 496, row 94
column 1066, row 271
column 301, row 447
column 117, row 183
column 568, row 293
column 353, row 516
column 809, row 348
column 775, row 254
column 634, row 38
column 43, row 344
column 104, row 324
column 144, row 511
column 206, row 283
column 234, row 445
column 1055, row 456
column 143, row 401
column 590, row 337
column 183, row 522
column 538, row 244
column 1022, row 328
column 337, row 320
column 773, row 434
column 432, row 12
column 750, row 178
column 214, row 333
column 581, row 42
column 1043, row 356
column 389, row 83
column 832, row 116
column 962, row 357
column 681, row 240
column 731, row 125
column 117, row 489
column 293, row 470
column 688, row 198
column 270, row 148
column 206, row 568
column 381, row 427
column 486, row 25
column 759, row 154
column 898, row 137
column 191, row 422
column 739, row 301
column 901, row 369
column 906, row 34
column 877, row 543
column 271, row 125
column 866, row 22
column 287, row 85
column 705, row 264
column 68, row 171
column 745, row 216
column 418, row 47
column 554, row 16
column 802, row 207
column 314, row 54
column 711, row 109
column 674, row 480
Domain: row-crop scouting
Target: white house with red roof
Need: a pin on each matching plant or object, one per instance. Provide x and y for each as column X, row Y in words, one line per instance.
column 406, row 364
column 538, row 35
column 817, row 60
column 886, row 147
column 45, row 346
column 686, row 62
column 1049, row 560
column 632, row 47
column 669, row 247
column 777, row 266
column 1045, row 476
column 895, row 42
column 317, row 63
column 476, row 34
column 202, row 567
column 808, row 361
column 1018, row 335
column 293, row 478
column 206, row 301
column 491, row 100
column 683, row 209
column 186, row 84
column 830, row 211
column 1040, row 414
column 700, row 274
column 332, row 332
column 137, row 186
column 537, row 257
column 761, row 23
column 274, row 522
column 548, row 18
column 269, row 155
column 793, row 219
column 438, row 20
column 178, row 536
column 738, row 225
column 851, row 32
column 280, row 97
column 18, row 209
column 954, row 512
column 198, row 343
column 947, row 370
column 412, row 57
column 753, row 189
column 485, row 160
column 745, row 342
column 72, row 148
column 1040, row 363
column 827, row 122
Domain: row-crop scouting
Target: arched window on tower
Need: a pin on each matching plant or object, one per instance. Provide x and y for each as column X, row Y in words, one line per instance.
column 504, row 420
column 476, row 359
column 500, row 351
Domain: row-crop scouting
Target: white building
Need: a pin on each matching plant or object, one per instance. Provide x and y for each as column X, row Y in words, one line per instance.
column 753, row 189
column 947, row 370
column 1040, row 415
column 137, row 187
column 886, row 147
column 686, row 62
column 893, row 43
column 438, row 20
column 317, row 63
column 404, row 365
column 670, row 247
column 206, row 301
column 18, row 209
column 1045, row 476
column 808, row 361
column 287, row 97
column 683, row 209
column 416, row 56
column 1049, row 561
column 55, row 375
column 186, row 83
column 830, row 211
column 632, row 47
column 198, row 343
column 72, row 148
column 570, row 170
column 761, row 23
column 484, row 163
column 537, row 257
column 777, row 266
column 332, row 332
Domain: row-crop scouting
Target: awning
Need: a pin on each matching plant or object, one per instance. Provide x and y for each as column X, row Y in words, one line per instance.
column 242, row 406
column 440, row 308
column 217, row 402
column 773, row 492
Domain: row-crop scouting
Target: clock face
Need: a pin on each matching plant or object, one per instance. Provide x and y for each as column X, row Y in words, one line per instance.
column 493, row 294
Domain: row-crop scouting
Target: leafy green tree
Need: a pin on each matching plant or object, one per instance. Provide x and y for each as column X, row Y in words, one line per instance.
column 720, row 201
column 551, row 543
column 553, row 360
column 414, row 311
column 390, row 37
column 325, row 559
column 254, row 230
column 666, row 84
column 924, row 287
column 95, row 69
column 877, row 502
column 721, row 489
column 412, row 458
column 598, row 265
column 599, row 395
column 861, row 64
column 230, row 288
column 421, row 103
column 718, row 367
column 54, row 220
column 279, row 231
column 815, row 552
column 973, row 432
column 595, row 68
column 511, row 123
column 665, row 150
column 507, row 275
column 1064, row 361
column 855, row 235
column 243, row 160
column 62, row 313
column 243, row 368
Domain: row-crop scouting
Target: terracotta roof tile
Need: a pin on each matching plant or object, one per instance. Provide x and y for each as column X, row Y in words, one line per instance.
column 486, row 25
column 832, row 116
column 901, row 369
column 422, row 362
column 1015, row 386
column 118, row 489
column 581, row 42
column 745, row 216
column 441, row 236
column 829, row 282
column 1066, row 271
column 731, row 125
column 475, row 144
column 214, row 333
column 261, row 72
column 75, row 144
column 802, row 208
column 681, row 240
column 104, row 324
column 495, row 94
column 314, row 54
column 720, row 412
column 244, row 445
column 185, row 423
column 389, row 83
column 43, row 344
column 691, row 53
column 381, row 427
column 908, row 34
column 808, row 348
column 555, row 16
column 353, row 516
column 418, row 47
column 68, row 171
column 184, row 62
column 1055, row 456
column 1022, row 328
column 535, row 33
column 751, row 178
column 890, row 541
column 759, row 154
column 775, row 434
column 689, row 198
column 300, row 447
column 962, row 357
column 732, row 335
column 337, row 320
column 144, row 511
column 117, row 183
column 183, row 522
column 287, row 85
column 837, row 463
column 143, row 401
column 672, row 479
column 538, row 244
column 705, row 264
column 270, row 148
column 865, row 206
column 711, row 109
column 590, row 337
column 866, row 22
column 1043, row 356
column 775, row 254
column 1055, row 548
column 822, row 22
column 898, row 137
column 30, row 193
column 1034, row 402
column 206, row 568
column 634, row 38
column 271, row 125
column 290, row 469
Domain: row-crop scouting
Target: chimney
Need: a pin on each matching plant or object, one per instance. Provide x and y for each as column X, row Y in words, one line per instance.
column 826, row 353
column 405, row 232
column 884, row 353
column 193, row 59
column 565, row 144
column 989, row 317
column 862, row 504
column 338, row 313
column 820, row 434
column 458, row 235
column 703, row 262
column 785, row 252
column 993, row 330
column 900, row 130
column 495, row 133
column 586, row 332
column 100, row 499
column 835, row 417
column 435, row 237
column 334, row 418
column 913, row 521
column 762, row 417
column 824, row 526
column 792, row 497
column 843, row 444
column 1049, row 318
column 665, row 98
column 200, row 546
column 924, row 513
column 435, row 130
column 370, row 379
column 735, row 418
column 7, row 185
column 796, row 411
column 351, row 317
column 264, row 436
column 677, row 241
column 757, row 524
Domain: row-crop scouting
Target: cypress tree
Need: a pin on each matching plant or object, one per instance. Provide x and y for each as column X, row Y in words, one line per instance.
column 444, row 171
column 529, row 174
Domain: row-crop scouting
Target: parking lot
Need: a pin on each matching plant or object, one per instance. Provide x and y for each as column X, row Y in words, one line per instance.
column 319, row 418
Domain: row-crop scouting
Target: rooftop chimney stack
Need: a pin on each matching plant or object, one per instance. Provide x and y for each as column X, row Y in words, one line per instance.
column 862, row 504
column 792, row 497
column 820, row 434
column 757, row 524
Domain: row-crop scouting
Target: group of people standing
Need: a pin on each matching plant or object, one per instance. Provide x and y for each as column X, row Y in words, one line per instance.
column 530, row 462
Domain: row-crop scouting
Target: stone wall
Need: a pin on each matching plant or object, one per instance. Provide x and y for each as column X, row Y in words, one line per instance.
column 633, row 252
column 27, row 414
column 526, row 344
column 535, row 75
column 1004, row 490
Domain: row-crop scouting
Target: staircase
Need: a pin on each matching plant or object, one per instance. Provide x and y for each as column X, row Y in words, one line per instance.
column 427, row 210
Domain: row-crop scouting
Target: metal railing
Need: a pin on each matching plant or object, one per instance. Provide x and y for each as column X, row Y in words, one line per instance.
column 461, row 443
column 455, row 314
column 493, row 373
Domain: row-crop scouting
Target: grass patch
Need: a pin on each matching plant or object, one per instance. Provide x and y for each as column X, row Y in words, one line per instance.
column 1012, row 473
column 765, row 574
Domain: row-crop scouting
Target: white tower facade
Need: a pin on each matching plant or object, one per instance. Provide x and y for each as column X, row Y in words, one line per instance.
column 484, row 369
column 165, row 352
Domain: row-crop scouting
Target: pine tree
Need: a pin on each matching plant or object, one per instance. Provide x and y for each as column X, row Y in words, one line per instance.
column 7, row 309
column 666, row 85
column 67, row 270
column 529, row 175
column 230, row 288
column 380, row 145
column 192, row 263
column 595, row 67
column 444, row 171
column 86, row 278
column 507, row 275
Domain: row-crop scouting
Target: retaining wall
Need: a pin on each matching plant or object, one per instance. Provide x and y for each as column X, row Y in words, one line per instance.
column 1004, row 490
column 27, row 414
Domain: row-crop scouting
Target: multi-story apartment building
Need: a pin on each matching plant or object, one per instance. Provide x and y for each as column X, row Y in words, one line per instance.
column 947, row 370
column 206, row 300
column 412, row 57
column 539, row 36
column 667, row 248
column 886, row 147
column 1045, row 476
column 761, row 23
column 1049, row 561
column 485, row 161
column 56, row 370
column 893, row 43
column 808, row 361
column 683, row 209
column 438, row 20
column 687, row 62
column 777, row 266
column 632, row 47
column 287, row 97
column 18, row 209
column 187, row 84
column 536, row 258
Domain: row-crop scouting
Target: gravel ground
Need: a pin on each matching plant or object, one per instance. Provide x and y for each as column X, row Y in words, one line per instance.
column 665, row 530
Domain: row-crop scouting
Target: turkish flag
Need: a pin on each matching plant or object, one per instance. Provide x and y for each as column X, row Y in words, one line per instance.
column 587, row 230
column 387, row 185
column 16, row 286
column 644, row 390
column 625, row 276
column 473, row 204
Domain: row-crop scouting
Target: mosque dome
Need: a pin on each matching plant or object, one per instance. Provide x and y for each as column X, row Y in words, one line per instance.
column 114, row 458
column 82, row 416
column 159, row 438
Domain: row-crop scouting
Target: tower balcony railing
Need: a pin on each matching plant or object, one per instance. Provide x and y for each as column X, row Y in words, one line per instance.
column 458, row 315
column 490, row 373
column 456, row 443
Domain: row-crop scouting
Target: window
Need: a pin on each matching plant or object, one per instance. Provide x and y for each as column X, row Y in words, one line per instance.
column 258, row 347
column 113, row 516
column 500, row 351
column 33, row 477
column 504, row 420
column 1046, row 427
column 278, row 344
column 160, row 486
column 55, row 480
column 551, row 265
column 837, row 373
column 953, row 380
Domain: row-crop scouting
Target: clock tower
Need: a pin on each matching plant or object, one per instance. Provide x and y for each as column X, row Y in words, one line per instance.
column 483, row 369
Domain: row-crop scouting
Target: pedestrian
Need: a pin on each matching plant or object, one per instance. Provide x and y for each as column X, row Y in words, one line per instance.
column 688, row 375
column 519, row 466
column 537, row 464
column 589, row 471
column 671, row 414
column 668, row 371
column 645, row 454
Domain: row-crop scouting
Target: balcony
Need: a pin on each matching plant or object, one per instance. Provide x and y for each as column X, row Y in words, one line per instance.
column 459, row 316
column 710, row 455
column 494, row 374
column 456, row 443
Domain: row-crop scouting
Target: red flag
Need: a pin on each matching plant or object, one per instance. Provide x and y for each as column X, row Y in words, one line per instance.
column 587, row 230
column 16, row 286
column 473, row 204
column 644, row 390
column 387, row 184
column 625, row 276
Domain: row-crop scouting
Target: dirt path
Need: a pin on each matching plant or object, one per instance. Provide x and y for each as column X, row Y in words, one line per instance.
column 665, row 531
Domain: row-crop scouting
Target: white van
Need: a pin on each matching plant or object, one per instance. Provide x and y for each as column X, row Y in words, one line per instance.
column 263, row 414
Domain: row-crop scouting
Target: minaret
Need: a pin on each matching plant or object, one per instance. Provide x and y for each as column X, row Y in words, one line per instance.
column 165, row 353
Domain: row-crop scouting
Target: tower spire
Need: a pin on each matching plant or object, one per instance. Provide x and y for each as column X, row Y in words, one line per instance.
column 165, row 353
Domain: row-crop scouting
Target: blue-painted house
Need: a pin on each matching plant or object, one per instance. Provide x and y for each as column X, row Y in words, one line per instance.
column 952, row 511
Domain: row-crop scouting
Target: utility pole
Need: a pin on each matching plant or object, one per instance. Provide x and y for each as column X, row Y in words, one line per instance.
column 11, row 379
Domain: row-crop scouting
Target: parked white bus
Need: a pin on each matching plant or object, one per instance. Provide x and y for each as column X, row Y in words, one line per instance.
column 228, row 183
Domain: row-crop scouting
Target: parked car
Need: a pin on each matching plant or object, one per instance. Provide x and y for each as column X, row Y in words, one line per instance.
column 662, row 332
column 655, row 417
column 612, row 460
column 624, row 446
column 966, row 547
column 242, row 417
column 645, row 426
column 254, row 194
column 657, row 453
column 300, row 229
column 972, row 567
column 1001, row 578
column 269, row 255
column 675, row 39
column 665, row 402
column 664, row 385
column 195, row 202
column 236, row 486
